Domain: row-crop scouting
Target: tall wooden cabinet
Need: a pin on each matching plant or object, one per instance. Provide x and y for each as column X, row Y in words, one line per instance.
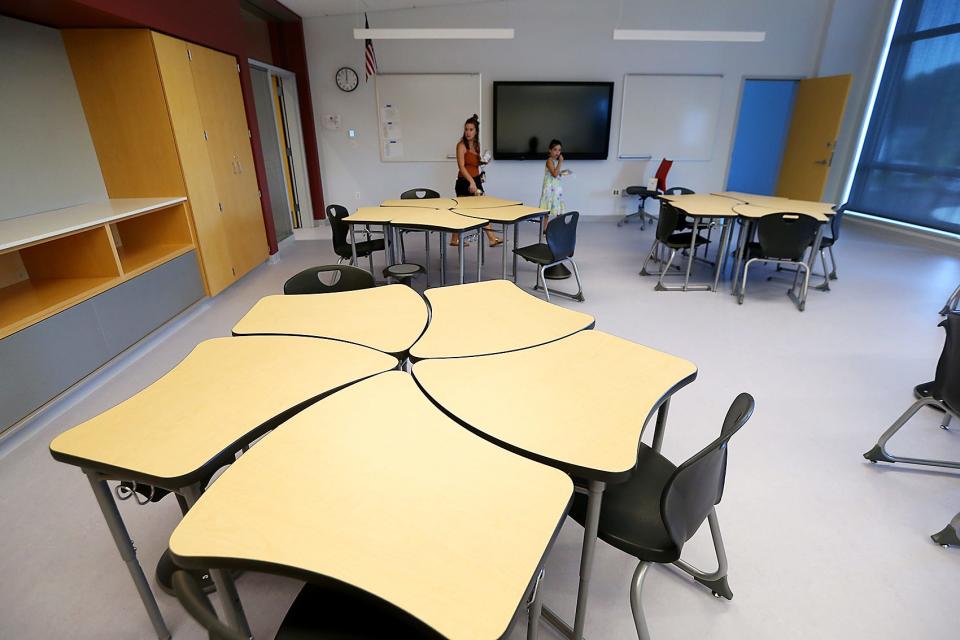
column 167, row 118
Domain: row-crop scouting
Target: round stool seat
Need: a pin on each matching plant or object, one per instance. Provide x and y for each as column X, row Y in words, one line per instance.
column 556, row 272
column 404, row 271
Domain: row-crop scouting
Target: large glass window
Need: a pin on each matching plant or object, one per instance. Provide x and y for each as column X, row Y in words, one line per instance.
column 909, row 168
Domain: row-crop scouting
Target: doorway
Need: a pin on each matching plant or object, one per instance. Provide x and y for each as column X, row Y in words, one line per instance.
column 281, row 138
column 766, row 109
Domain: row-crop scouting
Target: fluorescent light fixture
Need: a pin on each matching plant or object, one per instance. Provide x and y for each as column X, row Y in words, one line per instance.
column 689, row 36
column 433, row 34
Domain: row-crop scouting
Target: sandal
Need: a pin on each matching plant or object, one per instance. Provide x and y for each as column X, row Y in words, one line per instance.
column 496, row 242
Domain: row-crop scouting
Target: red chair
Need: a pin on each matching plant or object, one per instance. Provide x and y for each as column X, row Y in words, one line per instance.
column 643, row 193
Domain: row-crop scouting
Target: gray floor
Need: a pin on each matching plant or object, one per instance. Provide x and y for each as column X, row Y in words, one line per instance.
column 821, row 543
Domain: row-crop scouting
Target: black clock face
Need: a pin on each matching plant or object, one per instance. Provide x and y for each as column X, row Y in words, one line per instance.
column 347, row 79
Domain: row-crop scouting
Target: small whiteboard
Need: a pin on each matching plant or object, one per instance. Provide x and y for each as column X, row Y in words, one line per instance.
column 669, row 116
column 421, row 116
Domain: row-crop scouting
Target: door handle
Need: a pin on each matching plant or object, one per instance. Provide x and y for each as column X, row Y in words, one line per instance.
column 819, row 162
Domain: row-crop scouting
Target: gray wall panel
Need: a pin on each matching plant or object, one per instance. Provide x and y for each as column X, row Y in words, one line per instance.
column 272, row 160
column 40, row 361
column 135, row 308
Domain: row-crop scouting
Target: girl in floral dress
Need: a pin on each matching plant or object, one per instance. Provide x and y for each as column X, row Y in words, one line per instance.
column 551, row 195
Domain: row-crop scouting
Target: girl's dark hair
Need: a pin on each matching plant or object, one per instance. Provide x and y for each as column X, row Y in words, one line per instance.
column 554, row 143
column 475, row 121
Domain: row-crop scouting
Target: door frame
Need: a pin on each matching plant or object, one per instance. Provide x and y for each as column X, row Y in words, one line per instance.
column 295, row 137
column 736, row 114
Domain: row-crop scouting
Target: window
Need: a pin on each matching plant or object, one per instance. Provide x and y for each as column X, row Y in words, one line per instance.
column 909, row 168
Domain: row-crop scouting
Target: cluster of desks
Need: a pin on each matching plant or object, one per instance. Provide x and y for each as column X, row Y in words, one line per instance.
column 416, row 448
column 446, row 215
column 726, row 207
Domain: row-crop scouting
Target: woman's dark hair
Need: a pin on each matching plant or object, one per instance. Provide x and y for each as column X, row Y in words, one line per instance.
column 475, row 121
column 555, row 143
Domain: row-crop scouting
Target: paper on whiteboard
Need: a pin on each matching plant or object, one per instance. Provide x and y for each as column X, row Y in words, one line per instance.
column 389, row 112
column 391, row 130
column 392, row 149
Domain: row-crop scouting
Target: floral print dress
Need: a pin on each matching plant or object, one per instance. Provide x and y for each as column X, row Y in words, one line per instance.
column 551, row 195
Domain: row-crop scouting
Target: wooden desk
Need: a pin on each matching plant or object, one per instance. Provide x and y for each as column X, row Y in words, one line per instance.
column 367, row 216
column 375, row 487
column 492, row 317
column 479, row 202
column 706, row 206
column 748, row 198
column 389, row 319
column 755, row 211
column 179, row 430
column 444, row 221
column 579, row 404
column 430, row 203
column 510, row 214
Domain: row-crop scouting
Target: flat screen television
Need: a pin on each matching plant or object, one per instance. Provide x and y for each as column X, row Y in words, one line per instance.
column 528, row 115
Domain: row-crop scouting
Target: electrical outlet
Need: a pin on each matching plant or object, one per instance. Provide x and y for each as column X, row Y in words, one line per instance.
column 357, row 195
column 616, row 192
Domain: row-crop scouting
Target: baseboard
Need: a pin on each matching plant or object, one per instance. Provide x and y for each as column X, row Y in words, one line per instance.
column 934, row 236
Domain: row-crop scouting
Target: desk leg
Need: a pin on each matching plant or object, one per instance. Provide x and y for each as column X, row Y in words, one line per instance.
column 426, row 247
column 586, row 557
column 535, row 609
column 693, row 253
column 460, row 256
column 443, row 259
column 516, row 234
column 721, row 255
column 127, row 551
column 353, row 245
column 229, row 598
column 746, row 230
column 661, row 427
column 480, row 240
column 503, row 249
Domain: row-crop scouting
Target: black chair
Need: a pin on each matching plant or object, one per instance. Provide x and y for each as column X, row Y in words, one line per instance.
column 953, row 302
column 319, row 612
column 414, row 194
column 667, row 236
column 337, row 215
column 654, row 513
column 418, row 194
column 783, row 239
column 826, row 244
column 943, row 393
column 561, row 240
column 340, row 277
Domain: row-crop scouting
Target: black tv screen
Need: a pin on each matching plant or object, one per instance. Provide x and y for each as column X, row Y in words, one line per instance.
column 528, row 115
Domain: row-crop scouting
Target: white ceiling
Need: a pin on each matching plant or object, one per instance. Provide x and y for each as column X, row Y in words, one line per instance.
column 314, row 8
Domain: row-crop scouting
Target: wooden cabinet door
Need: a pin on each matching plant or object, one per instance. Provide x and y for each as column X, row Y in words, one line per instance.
column 184, row 108
column 217, row 85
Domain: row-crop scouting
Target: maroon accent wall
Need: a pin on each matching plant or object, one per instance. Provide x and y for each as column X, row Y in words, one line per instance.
column 213, row 23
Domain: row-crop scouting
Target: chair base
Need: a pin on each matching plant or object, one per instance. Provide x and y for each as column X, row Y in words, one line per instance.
column 164, row 576
column 578, row 296
column 879, row 451
column 950, row 535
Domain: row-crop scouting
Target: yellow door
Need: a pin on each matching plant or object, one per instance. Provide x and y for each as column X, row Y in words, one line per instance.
column 814, row 128
column 217, row 84
column 195, row 160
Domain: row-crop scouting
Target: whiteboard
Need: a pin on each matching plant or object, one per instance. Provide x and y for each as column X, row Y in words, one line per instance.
column 669, row 116
column 421, row 116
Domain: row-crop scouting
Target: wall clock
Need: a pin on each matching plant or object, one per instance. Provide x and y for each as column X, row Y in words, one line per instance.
column 347, row 79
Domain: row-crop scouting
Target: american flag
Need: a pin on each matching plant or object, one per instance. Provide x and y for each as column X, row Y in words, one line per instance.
column 369, row 54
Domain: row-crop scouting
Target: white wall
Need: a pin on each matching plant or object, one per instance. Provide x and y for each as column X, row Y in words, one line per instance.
column 570, row 40
column 47, row 159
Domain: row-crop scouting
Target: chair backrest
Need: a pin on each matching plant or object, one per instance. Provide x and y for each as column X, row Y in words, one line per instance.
column 670, row 220
column 946, row 384
column 336, row 214
column 678, row 191
column 417, row 194
column 697, row 485
column 661, row 174
column 836, row 220
column 786, row 235
column 562, row 235
column 330, row 278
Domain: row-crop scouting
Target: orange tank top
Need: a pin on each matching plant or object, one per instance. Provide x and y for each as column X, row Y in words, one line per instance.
column 471, row 160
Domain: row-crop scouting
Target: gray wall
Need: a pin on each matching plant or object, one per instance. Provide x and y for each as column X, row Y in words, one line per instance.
column 572, row 40
column 47, row 159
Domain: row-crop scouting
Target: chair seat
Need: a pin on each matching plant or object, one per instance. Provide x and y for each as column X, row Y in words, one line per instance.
column 332, row 614
column 402, row 270
column 682, row 240
column 364, row 248
column 536, row 253
column 630, row 512
column 753, row 250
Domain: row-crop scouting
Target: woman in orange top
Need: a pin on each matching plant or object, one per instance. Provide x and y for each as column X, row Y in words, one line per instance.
column 469, row 178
